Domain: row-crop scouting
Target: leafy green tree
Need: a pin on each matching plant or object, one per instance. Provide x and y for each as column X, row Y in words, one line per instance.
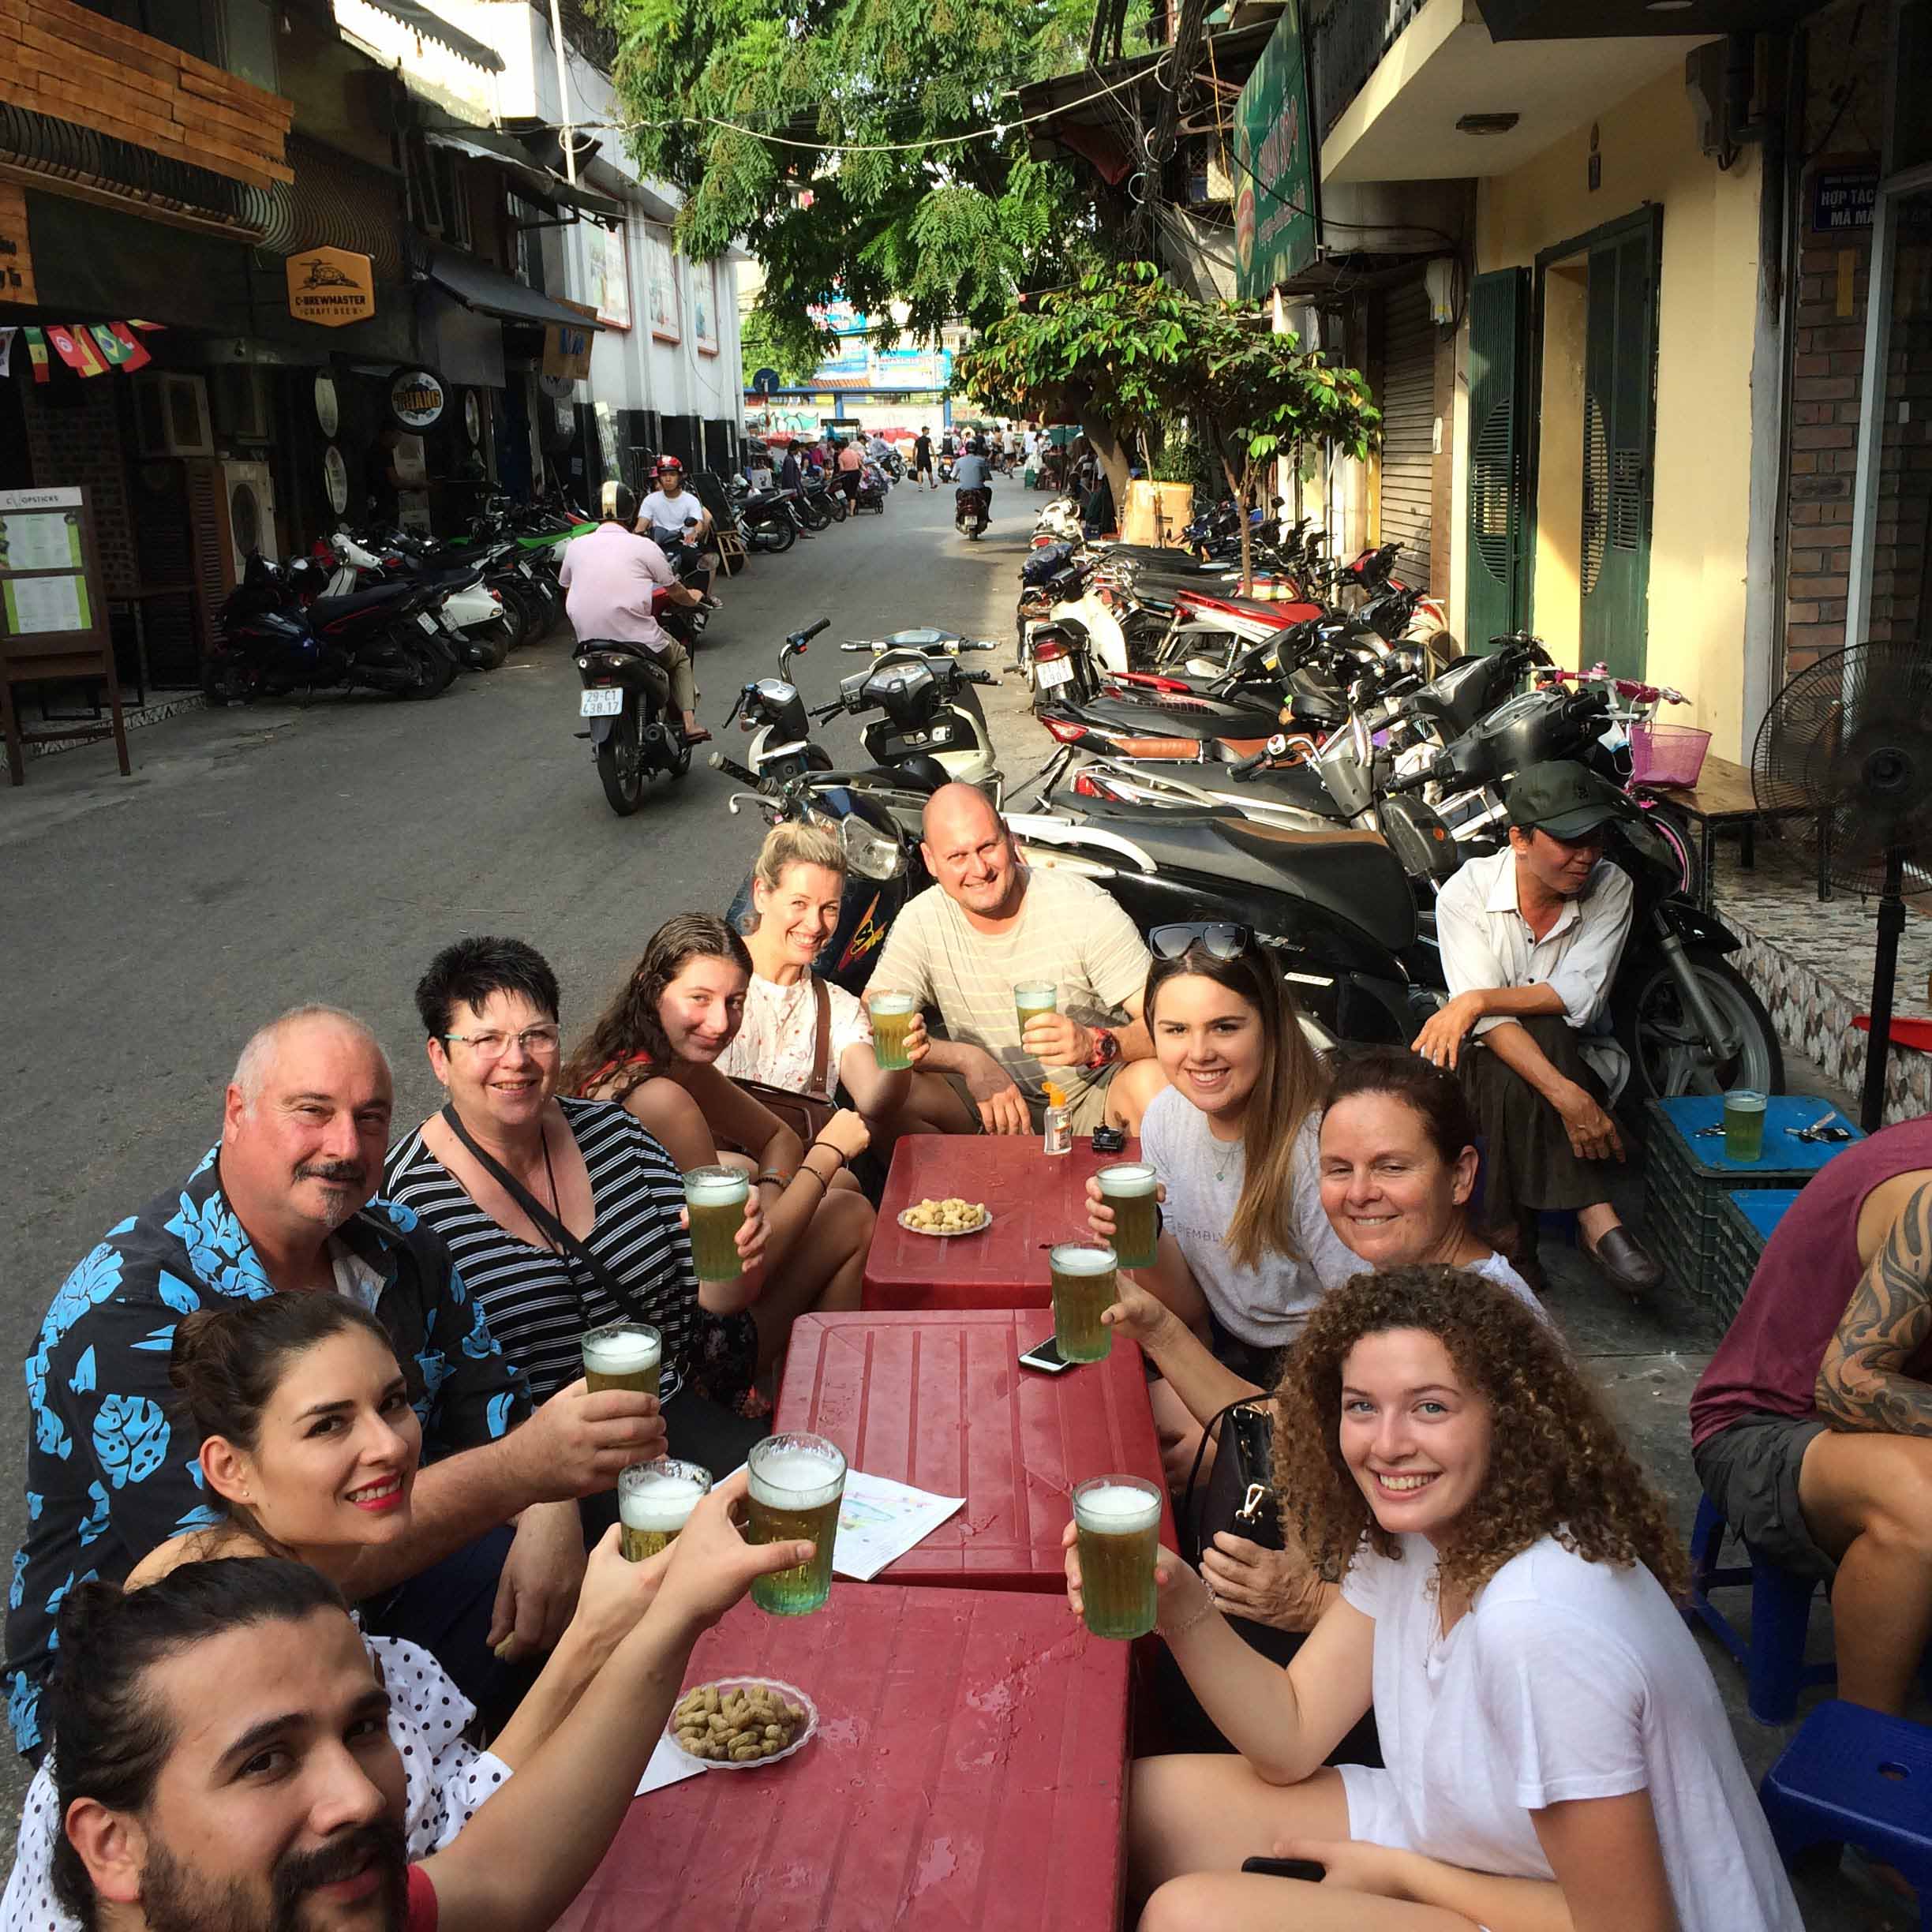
column 844, row 142
column 793, row 346
column 1264, row 396
column 1108, row 354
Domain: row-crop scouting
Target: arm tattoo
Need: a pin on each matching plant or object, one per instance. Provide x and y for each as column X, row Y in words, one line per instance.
column 1861, row 1383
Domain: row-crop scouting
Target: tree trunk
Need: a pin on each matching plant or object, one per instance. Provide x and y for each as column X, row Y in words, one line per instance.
column 1112, row 457
column 1237, row 487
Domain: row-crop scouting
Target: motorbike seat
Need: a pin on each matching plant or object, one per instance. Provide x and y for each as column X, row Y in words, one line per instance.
column 329, row 610
column 645, row 659
column 1296, row 784
column 1352, row 874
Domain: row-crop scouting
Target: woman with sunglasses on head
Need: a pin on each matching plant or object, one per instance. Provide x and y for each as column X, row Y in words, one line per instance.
column 1558, row 1759
column 654, row 1051
column 309, row 1448
column 1397, row 1162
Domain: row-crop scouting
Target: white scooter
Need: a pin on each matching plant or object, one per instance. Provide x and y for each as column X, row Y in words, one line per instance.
column 471, row 616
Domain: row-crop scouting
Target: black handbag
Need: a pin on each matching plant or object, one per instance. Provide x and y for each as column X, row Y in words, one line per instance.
column 1239, row 1494
column 702, row 1431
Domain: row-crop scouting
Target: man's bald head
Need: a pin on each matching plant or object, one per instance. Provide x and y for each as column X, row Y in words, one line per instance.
column 957, row 809
column 968, row 850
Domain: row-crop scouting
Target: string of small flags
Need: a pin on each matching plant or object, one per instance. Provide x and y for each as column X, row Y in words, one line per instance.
column 87, row 348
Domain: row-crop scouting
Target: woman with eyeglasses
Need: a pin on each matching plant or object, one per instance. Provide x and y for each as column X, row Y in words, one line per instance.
column 508, row 1141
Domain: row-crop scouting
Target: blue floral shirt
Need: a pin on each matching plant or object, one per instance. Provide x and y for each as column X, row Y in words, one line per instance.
column 110, row 1474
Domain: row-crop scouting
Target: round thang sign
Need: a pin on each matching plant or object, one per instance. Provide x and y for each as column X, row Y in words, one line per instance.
column 417, row 398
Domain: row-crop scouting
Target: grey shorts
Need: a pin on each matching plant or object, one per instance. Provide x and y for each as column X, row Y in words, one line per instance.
column 1750, row 1470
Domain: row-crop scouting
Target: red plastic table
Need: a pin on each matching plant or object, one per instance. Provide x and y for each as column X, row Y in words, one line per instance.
column 1035, row 1199
column 936, row 1398
column 968, row 1771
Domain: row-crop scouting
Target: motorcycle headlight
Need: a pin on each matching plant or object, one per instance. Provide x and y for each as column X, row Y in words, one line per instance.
column 870, row 854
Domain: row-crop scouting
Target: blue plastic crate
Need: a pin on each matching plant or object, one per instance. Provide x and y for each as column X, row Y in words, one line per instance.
column 1746, row 1217
column 1686, row 1179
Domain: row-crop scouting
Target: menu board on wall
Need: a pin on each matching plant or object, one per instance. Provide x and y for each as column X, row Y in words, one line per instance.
column 666, row 323
column 53, row 621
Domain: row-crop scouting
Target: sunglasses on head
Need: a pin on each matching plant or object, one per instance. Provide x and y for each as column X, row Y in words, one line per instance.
column 1216, row 938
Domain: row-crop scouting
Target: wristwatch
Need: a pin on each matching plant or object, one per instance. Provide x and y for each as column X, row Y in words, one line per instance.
column 1106, row 1050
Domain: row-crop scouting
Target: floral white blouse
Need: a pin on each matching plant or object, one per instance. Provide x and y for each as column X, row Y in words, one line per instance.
column 774, row 1044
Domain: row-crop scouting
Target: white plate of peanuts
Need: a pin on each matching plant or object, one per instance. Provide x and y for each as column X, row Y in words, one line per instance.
column 946, row 1217
column 739, row 1723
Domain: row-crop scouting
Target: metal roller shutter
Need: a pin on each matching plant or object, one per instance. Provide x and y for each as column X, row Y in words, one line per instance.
column 1408, row 405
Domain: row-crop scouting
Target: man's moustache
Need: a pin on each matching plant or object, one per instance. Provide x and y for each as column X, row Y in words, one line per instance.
column 348, row 1173
column 379, row 1843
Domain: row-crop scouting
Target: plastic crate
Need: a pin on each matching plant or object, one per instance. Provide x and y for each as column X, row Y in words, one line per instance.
column 1686, row 1179
column 1746, row 1217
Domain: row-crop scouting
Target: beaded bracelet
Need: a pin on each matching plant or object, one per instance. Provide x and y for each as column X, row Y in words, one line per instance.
column 1180, row 1630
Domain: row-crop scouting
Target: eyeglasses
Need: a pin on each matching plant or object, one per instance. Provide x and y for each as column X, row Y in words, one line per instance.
column 541, row 1043
column 1216, row 939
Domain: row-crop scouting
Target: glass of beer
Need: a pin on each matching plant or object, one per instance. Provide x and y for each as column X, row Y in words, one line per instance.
column 796, row 1484
column 716, row 1199
column 1117, row 1525
column 626, row 1355
column 654, row 1501
column 1085, row 1285
column 1030, row 1001
column 1743, row 1125
column 1128, row 1188
column 892, row 1016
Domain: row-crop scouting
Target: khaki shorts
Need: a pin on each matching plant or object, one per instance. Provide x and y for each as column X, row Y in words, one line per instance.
column 1750, row 1470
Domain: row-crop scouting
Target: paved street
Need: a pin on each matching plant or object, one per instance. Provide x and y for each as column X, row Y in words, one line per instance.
column 264, row 856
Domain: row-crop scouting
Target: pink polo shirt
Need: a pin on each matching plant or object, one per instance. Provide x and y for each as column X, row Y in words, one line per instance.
column 606, row 579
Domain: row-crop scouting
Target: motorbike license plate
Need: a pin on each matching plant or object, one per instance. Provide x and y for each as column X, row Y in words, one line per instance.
column 429, row 624
column 1056, row 671
column 605, row 703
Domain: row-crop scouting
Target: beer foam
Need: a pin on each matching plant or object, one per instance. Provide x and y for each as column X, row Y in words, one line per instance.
column 1077, row 1258
column 716, row 1187
column 658, row 1502
column 788, row 1478
column 621, row 1351
column 1127, row 1180
column 891, row 1002
column 1115, row 1509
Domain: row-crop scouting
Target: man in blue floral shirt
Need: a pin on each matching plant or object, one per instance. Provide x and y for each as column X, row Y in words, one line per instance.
column 283, row 1204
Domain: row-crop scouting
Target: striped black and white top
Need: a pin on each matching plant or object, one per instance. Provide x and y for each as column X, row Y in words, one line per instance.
column 538, row 1302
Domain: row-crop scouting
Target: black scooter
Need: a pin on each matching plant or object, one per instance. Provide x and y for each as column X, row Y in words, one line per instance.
column 278, row 636
column 973, row 511
column 634, row 734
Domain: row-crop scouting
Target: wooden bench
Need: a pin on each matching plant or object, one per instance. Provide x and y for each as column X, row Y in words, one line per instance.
column 1723, row 796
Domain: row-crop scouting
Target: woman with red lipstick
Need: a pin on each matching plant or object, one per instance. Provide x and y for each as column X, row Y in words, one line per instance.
column 655, row 1051
column 309, row 1450
column 1558, row 1758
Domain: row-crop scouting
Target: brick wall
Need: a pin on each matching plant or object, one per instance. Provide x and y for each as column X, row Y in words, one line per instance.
column 80, row 440
column 1828, row 363
column 1901, row 597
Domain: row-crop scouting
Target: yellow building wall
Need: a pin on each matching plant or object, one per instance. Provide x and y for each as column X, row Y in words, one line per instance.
column 1706, row 313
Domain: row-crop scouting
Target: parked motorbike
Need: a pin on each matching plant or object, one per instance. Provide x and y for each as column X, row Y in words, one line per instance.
column 482, row 628
column 770, row 518
column 281, row 632
column 973, row 511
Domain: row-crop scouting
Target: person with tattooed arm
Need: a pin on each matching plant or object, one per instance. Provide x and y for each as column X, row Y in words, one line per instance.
column 1811, row 1429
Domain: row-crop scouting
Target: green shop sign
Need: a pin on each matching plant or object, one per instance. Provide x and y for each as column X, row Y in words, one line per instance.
column 1275, row 165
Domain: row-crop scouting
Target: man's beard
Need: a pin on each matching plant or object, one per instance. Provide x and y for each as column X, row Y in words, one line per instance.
column 175, row 1899
column 350, row 1175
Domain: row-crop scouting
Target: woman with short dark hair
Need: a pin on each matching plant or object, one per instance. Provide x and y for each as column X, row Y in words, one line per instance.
column 490, row 1009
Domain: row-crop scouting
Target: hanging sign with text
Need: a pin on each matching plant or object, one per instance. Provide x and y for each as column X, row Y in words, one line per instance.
column 330, row 287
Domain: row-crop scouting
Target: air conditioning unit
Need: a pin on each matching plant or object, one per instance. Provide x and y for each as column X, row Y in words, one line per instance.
column 241, row 401
column 171, row 414
column 247, row 514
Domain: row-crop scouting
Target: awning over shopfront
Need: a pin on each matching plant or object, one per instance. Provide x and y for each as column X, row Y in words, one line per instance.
column 490, row 292
column 535, row 181
column 432, row 27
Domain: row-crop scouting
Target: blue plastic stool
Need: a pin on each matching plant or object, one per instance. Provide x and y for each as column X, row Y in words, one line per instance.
column 1855, row 1776
column 1775, row 1670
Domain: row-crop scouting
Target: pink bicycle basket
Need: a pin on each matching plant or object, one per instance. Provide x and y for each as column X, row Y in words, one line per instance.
column 1667, row 754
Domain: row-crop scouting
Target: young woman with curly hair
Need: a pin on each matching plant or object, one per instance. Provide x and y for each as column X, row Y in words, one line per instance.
column 654, row 1050
column 1559, row 1760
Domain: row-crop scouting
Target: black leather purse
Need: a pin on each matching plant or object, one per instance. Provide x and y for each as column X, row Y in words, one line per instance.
column 1239, row 1494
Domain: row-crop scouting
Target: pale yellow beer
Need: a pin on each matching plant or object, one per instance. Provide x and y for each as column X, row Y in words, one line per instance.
column 1085, row 1285
column 1128, row 1188
column 1116, row 1527
column 654, row 1502
column 715, row 1197
column 797, row 1484
column 1029, row 1001
column 891, row 1019
column 625, row 1355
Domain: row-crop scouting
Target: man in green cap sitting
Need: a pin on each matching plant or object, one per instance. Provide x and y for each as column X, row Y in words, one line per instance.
column 1530, row 941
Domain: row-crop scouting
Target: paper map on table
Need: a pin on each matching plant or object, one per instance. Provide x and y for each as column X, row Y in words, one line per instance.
column 668, row 1766
column 879, row 1521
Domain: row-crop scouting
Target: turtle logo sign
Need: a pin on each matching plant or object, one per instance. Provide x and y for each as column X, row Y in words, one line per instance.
column 330, row 287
